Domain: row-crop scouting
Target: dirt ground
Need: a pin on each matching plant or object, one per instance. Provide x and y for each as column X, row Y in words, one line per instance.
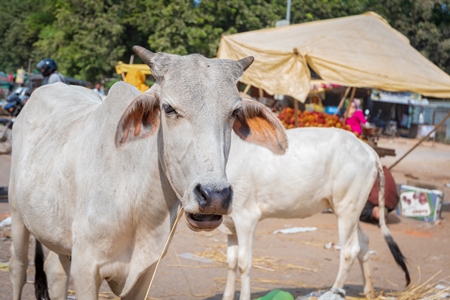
column 298, row 263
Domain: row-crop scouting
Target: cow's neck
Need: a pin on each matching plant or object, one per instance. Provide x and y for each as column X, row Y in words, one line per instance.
column 153, row 215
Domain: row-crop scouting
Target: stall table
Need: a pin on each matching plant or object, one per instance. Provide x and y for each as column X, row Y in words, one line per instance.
column 372, row 134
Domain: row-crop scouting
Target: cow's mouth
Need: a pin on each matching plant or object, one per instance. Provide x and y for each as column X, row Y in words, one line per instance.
column 203, row 221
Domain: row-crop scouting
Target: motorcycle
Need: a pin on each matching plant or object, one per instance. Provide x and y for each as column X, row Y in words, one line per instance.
column 14, row 104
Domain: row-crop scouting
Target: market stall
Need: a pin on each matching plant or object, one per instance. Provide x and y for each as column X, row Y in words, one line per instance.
column 356, row 51
column 361, row 51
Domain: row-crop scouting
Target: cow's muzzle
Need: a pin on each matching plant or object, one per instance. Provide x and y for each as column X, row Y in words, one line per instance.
column 213, row 203
column 213, row 200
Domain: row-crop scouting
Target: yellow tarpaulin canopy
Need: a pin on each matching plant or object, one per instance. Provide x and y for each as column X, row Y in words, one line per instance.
column 358, row 51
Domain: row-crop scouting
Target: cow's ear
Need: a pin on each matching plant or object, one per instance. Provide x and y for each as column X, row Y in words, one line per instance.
column 140, row 120
column 255, row 123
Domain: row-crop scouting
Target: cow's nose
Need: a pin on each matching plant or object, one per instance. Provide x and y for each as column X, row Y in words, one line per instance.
column 209, row 197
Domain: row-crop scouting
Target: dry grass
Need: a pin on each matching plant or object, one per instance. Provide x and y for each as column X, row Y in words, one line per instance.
column 432, row 289
column 267, row 263
column 429, row 290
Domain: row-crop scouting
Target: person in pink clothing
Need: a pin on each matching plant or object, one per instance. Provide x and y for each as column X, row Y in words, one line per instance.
column 355, row 116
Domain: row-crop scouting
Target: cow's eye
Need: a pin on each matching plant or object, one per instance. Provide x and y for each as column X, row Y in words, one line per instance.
column 236, row 112
column 169, row 110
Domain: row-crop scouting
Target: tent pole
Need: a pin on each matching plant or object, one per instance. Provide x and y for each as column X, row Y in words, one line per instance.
column 434, row 118
column 247, row 88
column 342, row 100
column 288, row 11
column 351, row 98
column 296, row 112
column 421, row 140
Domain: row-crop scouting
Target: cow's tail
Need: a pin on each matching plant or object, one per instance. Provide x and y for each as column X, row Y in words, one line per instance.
column 395, row 250
column 40, row 279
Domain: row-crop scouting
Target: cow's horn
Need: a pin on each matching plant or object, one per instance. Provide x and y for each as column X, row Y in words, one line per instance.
column 246, row 62
column 144, row 54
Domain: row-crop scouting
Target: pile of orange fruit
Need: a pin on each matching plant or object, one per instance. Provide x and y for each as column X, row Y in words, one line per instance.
column 312, row 119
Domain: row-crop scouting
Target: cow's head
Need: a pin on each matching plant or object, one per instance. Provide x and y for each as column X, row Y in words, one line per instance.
column 196, row 104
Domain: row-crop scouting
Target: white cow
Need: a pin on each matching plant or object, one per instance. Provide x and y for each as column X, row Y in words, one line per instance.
column 323, row 168
column 99, row 183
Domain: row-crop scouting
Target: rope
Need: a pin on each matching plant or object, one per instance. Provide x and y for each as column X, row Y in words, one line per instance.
column 164, row 249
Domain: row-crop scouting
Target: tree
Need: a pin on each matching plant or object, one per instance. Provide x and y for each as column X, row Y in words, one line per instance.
column 19, row 30
column 314, row 10
column 426, row 23
column 183, row 27
column 88, row 37
column 84, row 38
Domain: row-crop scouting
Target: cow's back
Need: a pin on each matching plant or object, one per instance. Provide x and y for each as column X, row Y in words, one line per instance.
column 49, row 117
column 52, row 117
column 44, row 144
column 317, row 165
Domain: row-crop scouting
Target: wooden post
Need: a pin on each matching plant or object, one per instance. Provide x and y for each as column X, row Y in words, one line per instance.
column 342, row 100
column 247, row 88
column 421, row 140
column 296, row 113
column 261, row 93
column 434, row 118
column 351, row 98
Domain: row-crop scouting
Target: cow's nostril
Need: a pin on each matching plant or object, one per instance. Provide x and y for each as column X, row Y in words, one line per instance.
column 212, row 197
column 202, row 195
column 227, row 194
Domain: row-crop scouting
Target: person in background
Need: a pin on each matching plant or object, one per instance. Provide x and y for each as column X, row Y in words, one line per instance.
column 48, row 69
column 99, row 89
column 371, row 211
column 10, row 82
column 317, row 104
column 354, row 116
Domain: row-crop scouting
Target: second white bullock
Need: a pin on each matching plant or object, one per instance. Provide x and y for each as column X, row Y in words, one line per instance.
column 99, row 183
column 323, row 168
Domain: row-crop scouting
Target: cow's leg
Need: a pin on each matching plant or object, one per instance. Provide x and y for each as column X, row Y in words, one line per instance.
column 85, row 274
column 350, row 249
column 363, row 258
column 57, row 268
column 232, row 260
column 245, row 228
column 18, row 263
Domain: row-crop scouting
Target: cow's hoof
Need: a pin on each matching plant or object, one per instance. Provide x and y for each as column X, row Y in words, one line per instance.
column 333, row 294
